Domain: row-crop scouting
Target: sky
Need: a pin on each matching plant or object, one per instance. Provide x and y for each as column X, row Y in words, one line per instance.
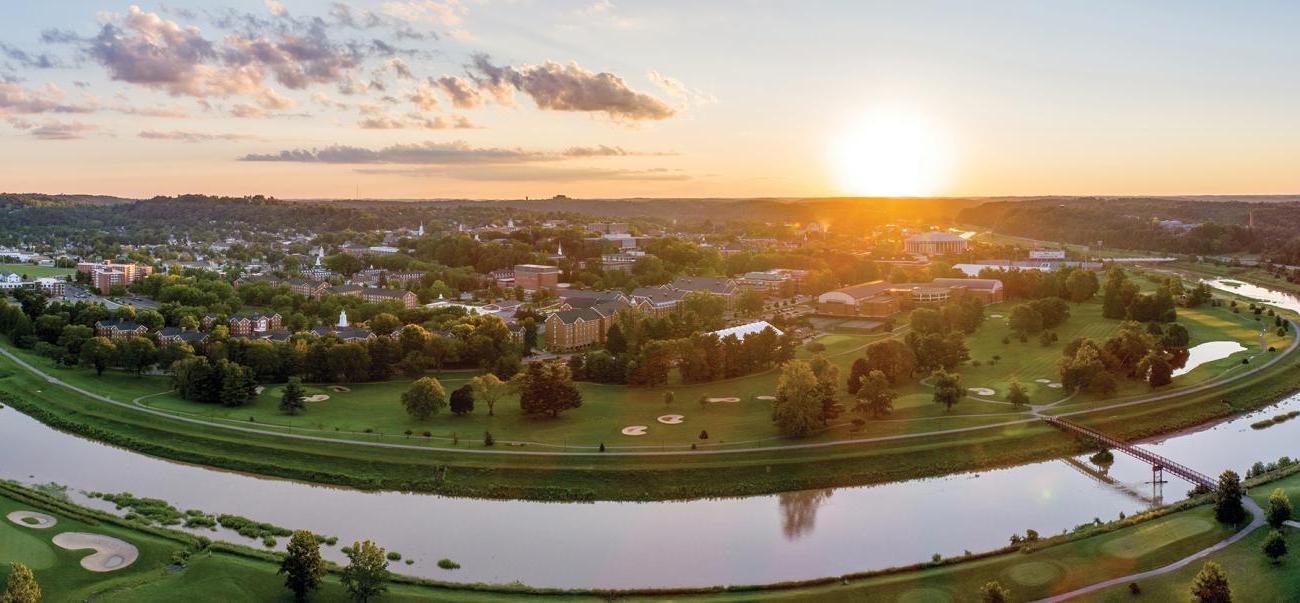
column 615, row 98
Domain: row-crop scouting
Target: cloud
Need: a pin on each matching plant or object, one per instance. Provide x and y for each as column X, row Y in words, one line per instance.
column 55, row 130
column 275, row 7
column 533, row 173
column 416, row 121
column 557, row 87
column 27, row 60
column 447, row 13
column 436, row 153
column 604, row 14
column 425, row 97
column 462, row 93
column 192, row 137
column 16, row 99
column 676, row 89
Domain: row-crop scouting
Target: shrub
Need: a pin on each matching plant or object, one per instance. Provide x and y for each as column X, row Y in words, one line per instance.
column 394, row 556
column 488, row 440
column 448, row 564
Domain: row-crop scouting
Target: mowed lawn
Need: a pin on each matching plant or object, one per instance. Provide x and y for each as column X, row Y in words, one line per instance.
column 32, row 271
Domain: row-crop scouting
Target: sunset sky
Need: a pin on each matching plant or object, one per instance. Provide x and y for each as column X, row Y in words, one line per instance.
column 515, row 98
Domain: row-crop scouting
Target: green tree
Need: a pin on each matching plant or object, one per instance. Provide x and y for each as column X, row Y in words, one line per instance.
column 547, row 388
column 994, row 592
column 947, row 388
column 1279, row 508
column 136, row 354
column 21, row 587
column 366, row 573
column 1017, row 395
column 1081, row 285
column 237, row 384
column 291, row 401
column 1211, row 585
column 98, row 352
column 489, row 389
column 1025, row 320
column 1227, row 498
column 1275, row 546
column 749, row 303
column 424, row 398
column 798, row 407
column 893, row 358
column 615, row 340
column 302, row 565
column 462, row 400
column 874, row 395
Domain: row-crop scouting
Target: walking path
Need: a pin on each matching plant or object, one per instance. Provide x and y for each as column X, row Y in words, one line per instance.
column 1257, row 520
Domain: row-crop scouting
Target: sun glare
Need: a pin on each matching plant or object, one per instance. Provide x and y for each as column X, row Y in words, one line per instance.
column 890, row 153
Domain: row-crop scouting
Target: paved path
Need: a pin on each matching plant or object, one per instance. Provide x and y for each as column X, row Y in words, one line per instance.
column 1257, row 520
column 593, row 451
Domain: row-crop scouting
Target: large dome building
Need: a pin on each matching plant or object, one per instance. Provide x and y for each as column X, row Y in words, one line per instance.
column 935, row 243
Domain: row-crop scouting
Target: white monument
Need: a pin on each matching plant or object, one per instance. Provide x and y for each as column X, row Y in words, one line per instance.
column 343, row 319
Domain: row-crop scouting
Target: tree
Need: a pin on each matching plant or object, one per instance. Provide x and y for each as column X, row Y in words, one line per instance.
column 947, row 388
column 424, row 398
column 98, row 352
column 547, row 388
column 994, row 592
column 874, row 395
column 615, row 341
column 366, row 572
column 1159, row 371
column 1081, row 285
column 1017, row 395
column 384, row 323
column 1227, row 499
column 1211, row 585
column 893, row 358
column 1025, row 320
column 749, row 303
column 489, row 389
column 21, row 587
column 1279, row 508
column 136, row 354
column 302, row 565
column 462, row 400
column 237, row 384
column 291, row 401
column 798, row 407
column 1275, row 546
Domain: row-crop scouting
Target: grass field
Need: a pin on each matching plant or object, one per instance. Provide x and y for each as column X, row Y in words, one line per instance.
column 32, row 271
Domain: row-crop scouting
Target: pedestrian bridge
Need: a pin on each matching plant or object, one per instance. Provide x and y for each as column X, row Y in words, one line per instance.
column 1159, row 464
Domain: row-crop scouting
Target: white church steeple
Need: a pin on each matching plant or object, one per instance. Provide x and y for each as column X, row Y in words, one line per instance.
column 343, row 319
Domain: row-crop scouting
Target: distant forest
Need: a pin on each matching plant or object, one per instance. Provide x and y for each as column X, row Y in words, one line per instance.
column 1222, row 227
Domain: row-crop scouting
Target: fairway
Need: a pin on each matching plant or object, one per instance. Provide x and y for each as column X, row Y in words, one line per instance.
column 30, row 271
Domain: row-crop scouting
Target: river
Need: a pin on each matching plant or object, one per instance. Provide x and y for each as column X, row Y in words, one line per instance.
column 755, row 539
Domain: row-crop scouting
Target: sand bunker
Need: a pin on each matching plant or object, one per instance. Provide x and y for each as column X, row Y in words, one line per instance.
column 1043, row 381
column 995, row 316
column 32, row 519
column 981, row 391
column 635, row 430
column 766, row 398
column 724, row 400
column 110, row 553
column 339, row 388
column 259, row 389
column 316, row 398
column 1055, row 385
column 671, row 419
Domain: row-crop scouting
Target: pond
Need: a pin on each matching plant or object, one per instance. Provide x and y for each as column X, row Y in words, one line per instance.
column 1208, row 352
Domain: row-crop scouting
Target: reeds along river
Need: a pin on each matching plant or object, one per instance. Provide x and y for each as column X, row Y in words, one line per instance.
column 757, row 539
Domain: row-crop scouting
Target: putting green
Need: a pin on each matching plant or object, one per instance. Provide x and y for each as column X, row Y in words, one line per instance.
column 1034, row 573
column 1147, row 539
column 24, row 546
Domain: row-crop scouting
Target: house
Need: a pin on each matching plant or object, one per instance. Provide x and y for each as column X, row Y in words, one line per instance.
column 344, row 330
column 375, row 295
column 578, row 328
column 170, row 335
column 243, row 326
column 657, row 301
column 533, row 277
column 722, row 287
column 119, row 328
column 879, row 299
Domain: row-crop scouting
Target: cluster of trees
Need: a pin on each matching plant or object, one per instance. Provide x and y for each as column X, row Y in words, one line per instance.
column 1037, row 315
column 1134, row 352
column 1122, row 299
column 937, row 339
column 1074, row 284
column 701, row 357
column 805, row 396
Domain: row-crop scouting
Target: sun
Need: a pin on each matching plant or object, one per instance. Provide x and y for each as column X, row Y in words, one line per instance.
column 890, row 153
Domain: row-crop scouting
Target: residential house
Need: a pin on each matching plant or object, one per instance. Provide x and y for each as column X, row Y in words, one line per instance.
column 119, row 328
